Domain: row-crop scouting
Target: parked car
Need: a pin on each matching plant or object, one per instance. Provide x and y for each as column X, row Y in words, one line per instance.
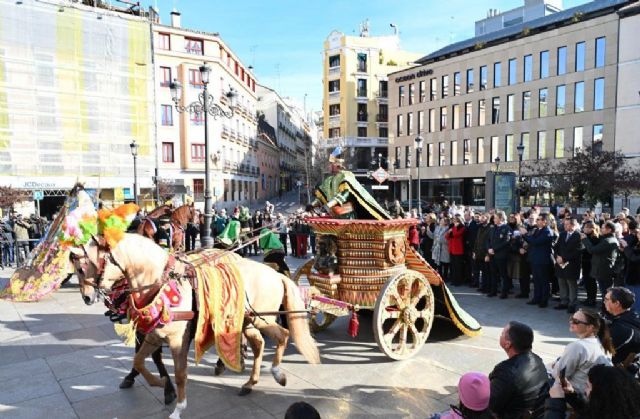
column 414, row 204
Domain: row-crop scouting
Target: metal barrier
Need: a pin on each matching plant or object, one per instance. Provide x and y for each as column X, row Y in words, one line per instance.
column 21, row 251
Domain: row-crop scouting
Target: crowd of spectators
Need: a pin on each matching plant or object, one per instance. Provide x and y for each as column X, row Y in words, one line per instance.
column 18, row 236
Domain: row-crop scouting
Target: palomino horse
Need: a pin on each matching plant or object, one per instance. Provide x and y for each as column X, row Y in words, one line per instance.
column 179, row 219
column 143, row 263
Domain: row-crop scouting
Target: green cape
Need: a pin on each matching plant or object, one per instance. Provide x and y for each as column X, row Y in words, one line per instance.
column 229, row 235
column 269, row 240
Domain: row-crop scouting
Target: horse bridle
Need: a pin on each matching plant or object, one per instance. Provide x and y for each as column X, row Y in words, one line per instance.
column 102, row 261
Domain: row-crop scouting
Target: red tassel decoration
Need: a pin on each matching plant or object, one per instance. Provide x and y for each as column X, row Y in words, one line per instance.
column 354, row 325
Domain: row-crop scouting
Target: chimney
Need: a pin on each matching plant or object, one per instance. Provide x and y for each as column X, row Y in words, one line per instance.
column 175, row 18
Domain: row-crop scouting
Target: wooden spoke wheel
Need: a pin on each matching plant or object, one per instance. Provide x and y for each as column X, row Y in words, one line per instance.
column 403, row 315
column 320, row 320
column 303, row 271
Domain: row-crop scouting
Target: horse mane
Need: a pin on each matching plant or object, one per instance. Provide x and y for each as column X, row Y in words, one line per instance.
column 141, row 257
column 159, row 211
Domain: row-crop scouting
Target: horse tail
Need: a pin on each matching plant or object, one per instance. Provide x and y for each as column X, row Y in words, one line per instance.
column 298, row 324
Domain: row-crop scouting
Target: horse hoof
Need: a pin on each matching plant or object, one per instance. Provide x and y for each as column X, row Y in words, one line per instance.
column 282, row 381
column 218, row 370
column 244, row 391
column 127, row 383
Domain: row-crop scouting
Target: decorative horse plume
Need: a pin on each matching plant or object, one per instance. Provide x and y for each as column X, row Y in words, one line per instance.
column 81, row 223
column 113, row 224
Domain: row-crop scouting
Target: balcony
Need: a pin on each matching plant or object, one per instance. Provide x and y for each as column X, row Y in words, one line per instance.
column 334, row 96
column 361, row 93
column 225, row 131
column 382, row 96
column 355, row 142
column 232, row 133
column 362, row 116
column 382, row 117
column 334, row 71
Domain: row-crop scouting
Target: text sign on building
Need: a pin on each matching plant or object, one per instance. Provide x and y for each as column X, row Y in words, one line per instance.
column 380, row 175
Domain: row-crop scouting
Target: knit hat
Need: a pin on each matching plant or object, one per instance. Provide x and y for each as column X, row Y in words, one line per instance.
column 474, row 390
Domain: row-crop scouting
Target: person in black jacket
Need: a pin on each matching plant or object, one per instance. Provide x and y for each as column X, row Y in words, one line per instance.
column 498, row 241
column 471, row 226
column 540, row 242
column 568, row 251
column 624, row 323
column 592, row 231
column 519, row 385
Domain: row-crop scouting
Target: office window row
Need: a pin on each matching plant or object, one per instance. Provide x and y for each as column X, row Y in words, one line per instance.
column 456, row 116
column 548, row 144
column 543, row 71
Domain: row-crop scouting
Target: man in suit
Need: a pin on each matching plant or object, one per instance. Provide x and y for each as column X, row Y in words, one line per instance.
column 471, row 226
column 540, row 242
column 497, row 254
column 568, row 251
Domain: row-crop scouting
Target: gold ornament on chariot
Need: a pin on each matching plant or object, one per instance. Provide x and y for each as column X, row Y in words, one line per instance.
column 396, row 250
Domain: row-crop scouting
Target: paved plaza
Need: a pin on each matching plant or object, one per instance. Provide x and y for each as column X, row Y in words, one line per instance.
column 61, row 359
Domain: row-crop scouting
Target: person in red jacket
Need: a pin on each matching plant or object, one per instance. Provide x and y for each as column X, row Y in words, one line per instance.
column 414, row 238
column 455, row 237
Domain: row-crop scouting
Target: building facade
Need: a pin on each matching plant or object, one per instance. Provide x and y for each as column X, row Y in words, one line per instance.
column 355, row 95
column 178, row 54
column 549, row 84
column 531, row 10
column 268, row 161
column 71, row 102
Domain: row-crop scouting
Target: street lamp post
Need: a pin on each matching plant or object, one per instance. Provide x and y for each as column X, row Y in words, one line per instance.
column 134, row 153
column 205, row 104
column 520, row 150
column 497, row 160
column 419, row 142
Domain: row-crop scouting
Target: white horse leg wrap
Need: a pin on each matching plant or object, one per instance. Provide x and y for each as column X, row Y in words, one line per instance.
column 178, row 410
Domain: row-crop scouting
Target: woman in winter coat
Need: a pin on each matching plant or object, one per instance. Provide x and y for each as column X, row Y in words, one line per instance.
column 455, row 237
column 440, row 251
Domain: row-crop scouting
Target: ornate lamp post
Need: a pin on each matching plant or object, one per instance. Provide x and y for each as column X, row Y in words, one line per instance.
column 205, row 104
column 134, row 153
column 520, row 150
column 419, row 142
column 497, row 160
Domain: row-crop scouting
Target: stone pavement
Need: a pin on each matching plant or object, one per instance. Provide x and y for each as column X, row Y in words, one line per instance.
column 61, row 359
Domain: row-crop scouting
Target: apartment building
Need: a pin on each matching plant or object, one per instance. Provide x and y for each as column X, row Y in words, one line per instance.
column 178, row 54
column 355, row 100
column 549, row 84
column 268, row 160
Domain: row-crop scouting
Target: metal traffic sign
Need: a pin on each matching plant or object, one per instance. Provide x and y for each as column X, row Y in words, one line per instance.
column 38, row 195
column 380, row 175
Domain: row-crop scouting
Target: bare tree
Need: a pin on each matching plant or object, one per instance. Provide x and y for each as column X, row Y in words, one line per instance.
column 10, row 196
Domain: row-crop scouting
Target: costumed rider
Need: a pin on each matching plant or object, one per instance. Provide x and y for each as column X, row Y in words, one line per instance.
column 273, row 251
column 230, row 236
column 342, row 196
column 162, row 237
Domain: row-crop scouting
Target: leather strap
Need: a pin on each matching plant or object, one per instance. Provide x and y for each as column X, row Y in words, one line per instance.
column 182, row 315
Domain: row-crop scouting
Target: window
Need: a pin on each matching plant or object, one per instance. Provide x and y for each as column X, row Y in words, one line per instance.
column 197, row 118
column 432, row 120
column 598, row 94
column 497, row 74
column 580, row 56
column 334, row 61
column 165, row 76
column 466, row 148
column 362, row 112
column 560, row 99
column 334, row 132
column 433, row 86
column 195, row 79
column 362, row 131
column 542, row 102
column 198, row 187
column 334, row 110
column 597, row 138
column 400, row 95
column 197, row 152
column 495, row 150
column 510, row 108
column 407, row 156
column 167, row 115
column 453, row 159
column 509, row 149
column 513, row 64
column 420, row 122
column 577, row 140
column 544, row 64
column 455, row 117
column 441, row 155
column 457, row 81
column 383, row 113
column 383, row 132
column 470, row 80
column 481, row 112
column 443, row 118
column 528, row 68
column 559, row 144
column 362, row 88
column 164, row 41
column 483, row 77
column 445, row 86
column 334, row 86
column 495, row 110
column 526, row 105
column 542, row 145
column 400, row 127
column 480, row 150
column 562, row 60
column 193, row 46
column 382, row 85
column 412, row 93
column 429, row 154
column 362, row 62
column 410, row 123
column 524, row 140
column 578, row 105
column 167, row 153
column 468, row 114
column 600, row 50
column 423, row 91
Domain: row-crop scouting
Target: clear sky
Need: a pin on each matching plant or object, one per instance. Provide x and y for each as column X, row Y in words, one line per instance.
column 283, row 39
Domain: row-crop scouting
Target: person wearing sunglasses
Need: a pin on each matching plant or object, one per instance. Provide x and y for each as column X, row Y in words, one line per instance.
column 593, row 347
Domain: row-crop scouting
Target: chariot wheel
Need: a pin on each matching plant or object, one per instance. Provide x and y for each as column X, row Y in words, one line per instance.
column 317, row 321
column 403, row 315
